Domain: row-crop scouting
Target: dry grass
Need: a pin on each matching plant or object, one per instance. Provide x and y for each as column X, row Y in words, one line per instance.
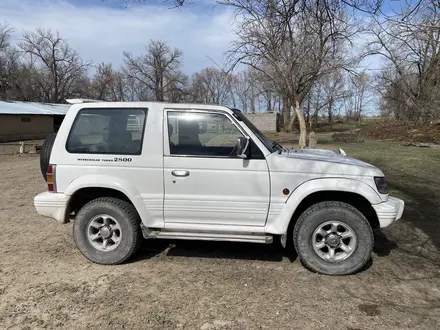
column 414, row 175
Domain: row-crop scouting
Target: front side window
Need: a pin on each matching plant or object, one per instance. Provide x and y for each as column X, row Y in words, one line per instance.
column 201, row 134
column 107, row 131
column 267, row 143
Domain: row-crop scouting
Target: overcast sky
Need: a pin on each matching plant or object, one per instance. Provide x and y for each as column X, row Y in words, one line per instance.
column 101, row 30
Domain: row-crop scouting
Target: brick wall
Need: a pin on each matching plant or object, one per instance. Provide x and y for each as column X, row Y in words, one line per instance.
column 265, row 122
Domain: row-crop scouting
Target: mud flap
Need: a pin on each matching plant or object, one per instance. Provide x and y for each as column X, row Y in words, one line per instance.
column 283, row 240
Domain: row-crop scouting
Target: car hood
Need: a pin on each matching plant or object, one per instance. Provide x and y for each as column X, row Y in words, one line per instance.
column 323, row 161
column 326, row 156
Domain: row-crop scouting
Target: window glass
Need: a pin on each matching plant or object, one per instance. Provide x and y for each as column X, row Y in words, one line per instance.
column 203, row 134
column 267, row 143
column 107, row 131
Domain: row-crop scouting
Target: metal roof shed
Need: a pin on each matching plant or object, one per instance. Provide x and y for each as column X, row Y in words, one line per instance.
column 32, row 108
column 29, row 120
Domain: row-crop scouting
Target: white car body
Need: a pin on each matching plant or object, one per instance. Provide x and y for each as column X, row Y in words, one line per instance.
column 221, row 198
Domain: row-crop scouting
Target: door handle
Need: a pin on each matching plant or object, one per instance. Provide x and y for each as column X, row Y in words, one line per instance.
column 180, row 173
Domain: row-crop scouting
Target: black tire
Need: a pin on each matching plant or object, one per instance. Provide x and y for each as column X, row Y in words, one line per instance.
column 319, row 214
column 128, row 219
column 45, row 152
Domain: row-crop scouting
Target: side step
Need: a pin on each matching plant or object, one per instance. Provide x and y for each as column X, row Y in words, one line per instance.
column 206, row 236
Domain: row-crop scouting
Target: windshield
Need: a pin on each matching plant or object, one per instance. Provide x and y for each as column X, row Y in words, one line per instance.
column 267, row 143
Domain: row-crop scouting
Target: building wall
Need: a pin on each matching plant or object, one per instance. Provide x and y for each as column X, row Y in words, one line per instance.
column 265, row 122
column 18, row 127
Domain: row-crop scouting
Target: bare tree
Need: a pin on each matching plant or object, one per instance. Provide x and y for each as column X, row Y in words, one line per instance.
column 333, row 91
column 10, row 71
column 25, row 86
column 314, row 104
column 292, row 43
column 244, row 88
column 178, row 92
column 365, row 6
column 410, row 44
column 135, row 91
column 159, row 70
column 211, row 86
column 5, row 35
column 9, row 63
column 265, row 90
column 102, row 82
column 361, row 87
column 58, row 64
column 357, row 95
column 108, row 84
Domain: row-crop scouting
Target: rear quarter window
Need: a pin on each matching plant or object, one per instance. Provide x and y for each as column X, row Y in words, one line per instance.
column 107, row 131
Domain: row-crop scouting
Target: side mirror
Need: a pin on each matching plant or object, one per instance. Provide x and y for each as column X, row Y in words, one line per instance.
column 242, row 147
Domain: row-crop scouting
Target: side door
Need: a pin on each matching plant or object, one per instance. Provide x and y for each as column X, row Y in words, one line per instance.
column 205, row 182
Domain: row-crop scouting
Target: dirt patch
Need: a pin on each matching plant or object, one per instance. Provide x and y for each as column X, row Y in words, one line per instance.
column 369, row 309
column 46, row 283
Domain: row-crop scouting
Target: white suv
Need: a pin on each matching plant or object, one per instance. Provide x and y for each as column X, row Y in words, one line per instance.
column 123, row 171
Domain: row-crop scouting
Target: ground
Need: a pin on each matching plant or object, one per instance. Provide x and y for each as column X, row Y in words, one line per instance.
column 46, row 283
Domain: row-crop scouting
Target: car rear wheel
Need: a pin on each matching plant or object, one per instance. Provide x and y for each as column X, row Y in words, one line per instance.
column 333, row 238
column 107, row 231
column 46, row 150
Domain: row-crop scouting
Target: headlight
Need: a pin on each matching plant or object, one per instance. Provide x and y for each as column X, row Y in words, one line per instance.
column 381, row 184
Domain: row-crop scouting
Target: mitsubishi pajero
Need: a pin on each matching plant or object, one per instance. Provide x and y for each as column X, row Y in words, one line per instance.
column 123, row 171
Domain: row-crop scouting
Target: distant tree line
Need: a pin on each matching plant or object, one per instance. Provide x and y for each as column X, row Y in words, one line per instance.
column 292, row 56
column 409, row 84
column 43, row 67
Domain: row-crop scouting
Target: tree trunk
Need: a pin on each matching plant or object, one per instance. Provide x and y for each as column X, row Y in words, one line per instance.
column 286, row 113
column 308, row 121
column 312, row 140
column 330, row 111
column 302, row 125
column 3, row 93
column 268, row 98
column 252, row 99
column 252, row 105
column 232, row 98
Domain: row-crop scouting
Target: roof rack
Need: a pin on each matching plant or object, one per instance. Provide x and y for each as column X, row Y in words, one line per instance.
column 77, row 101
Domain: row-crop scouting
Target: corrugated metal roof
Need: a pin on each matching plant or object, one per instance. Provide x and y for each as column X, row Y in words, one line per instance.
column 32, row 108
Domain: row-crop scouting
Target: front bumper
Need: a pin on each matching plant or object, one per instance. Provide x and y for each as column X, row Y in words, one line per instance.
column 389, row 211
column 52, row 205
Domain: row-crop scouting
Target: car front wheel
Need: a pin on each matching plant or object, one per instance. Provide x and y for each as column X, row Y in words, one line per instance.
column 333, row 238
